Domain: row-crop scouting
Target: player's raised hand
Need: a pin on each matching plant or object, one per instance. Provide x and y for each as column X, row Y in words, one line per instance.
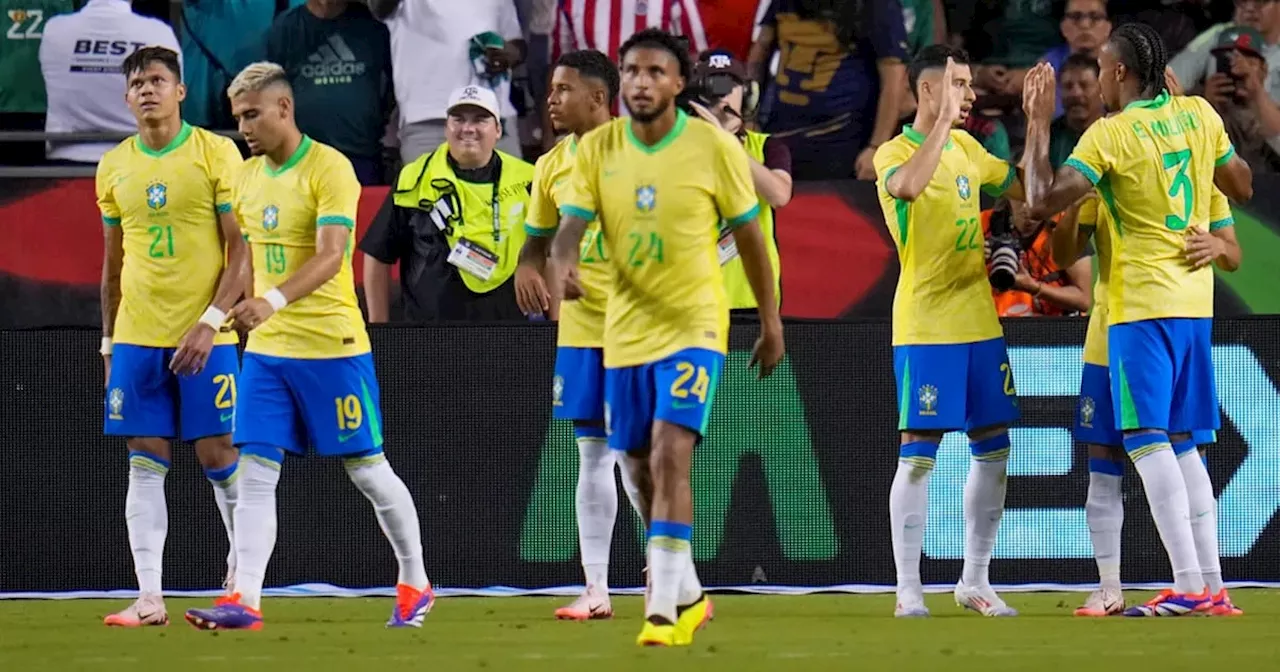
column 768, row 350
column 1039, row 92
column 251, row 313
column 193, row 351
column 951, row 96
column 1203, row 248
column 531, row 291
column 1171, row 82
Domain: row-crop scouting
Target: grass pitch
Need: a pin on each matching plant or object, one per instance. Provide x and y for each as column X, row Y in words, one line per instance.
column 819, row 632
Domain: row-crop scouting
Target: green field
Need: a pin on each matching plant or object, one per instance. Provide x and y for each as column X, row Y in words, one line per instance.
column 821, row 632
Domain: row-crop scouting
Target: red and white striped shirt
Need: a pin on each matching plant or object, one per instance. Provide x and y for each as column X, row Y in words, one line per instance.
column 605, row 24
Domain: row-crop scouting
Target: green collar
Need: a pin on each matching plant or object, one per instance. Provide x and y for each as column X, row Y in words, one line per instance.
column 175, row 143
column 298, row 153
column 681, row 120
column 917, row 137
column 1159, row 101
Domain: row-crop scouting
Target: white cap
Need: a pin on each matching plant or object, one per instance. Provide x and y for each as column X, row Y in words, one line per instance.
column 476, row 96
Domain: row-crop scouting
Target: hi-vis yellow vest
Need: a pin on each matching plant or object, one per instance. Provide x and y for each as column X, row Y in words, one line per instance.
column 735, row 277
column 430, row 179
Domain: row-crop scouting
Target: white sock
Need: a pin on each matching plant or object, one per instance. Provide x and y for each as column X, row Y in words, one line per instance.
column 1204, row 517
column 146, row 516
column 1104, row 513
column 983, row 507
column 597, row 508
column 908, row 511
column 1167, row 497
column 226, row 491
column 397, row 516
column 690, row 586
column 668, row 565
column 255, row 527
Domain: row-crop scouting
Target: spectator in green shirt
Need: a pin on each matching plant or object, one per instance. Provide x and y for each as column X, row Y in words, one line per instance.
column 338, row 58
column 926, row 24
column 1081, row 104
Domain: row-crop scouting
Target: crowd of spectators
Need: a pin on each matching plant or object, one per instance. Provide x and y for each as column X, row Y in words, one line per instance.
column 373, row 77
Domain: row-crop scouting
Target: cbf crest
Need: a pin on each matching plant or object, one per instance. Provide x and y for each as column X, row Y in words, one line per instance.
column 157, row 195
column 927, row 395
column 1087, row 410
column 270, row 217
column 646, row 198
column 962, row 187
column 115, row 403
column 557, row 390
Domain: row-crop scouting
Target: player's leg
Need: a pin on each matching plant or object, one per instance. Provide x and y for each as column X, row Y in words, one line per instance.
column 930, row 402
column 578, row 393
column 991, row 406
column 268, row 424
column 207, row 410
column 683, row 389
column 1222, row 604
column 1104, row 505
column 1142, row 378
column 343, row 412
column 141, row 405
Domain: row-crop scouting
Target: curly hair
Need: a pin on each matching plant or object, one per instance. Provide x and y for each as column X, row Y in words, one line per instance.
column 655, row 38
column 1142, row 51
column 593, row 64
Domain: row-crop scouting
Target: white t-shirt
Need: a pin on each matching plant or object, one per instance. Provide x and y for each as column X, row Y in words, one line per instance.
column 80, row 57
column 430, row 51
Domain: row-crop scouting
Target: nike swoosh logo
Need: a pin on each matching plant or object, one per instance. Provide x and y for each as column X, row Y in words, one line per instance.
column 226, row 417
column 610, row 173
column 1202, row 514
column 681, row 406
column 910, row 527
column 343, row 438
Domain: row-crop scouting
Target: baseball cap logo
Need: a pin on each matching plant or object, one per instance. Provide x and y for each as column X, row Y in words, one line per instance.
column 719, row 61
column 470, row 92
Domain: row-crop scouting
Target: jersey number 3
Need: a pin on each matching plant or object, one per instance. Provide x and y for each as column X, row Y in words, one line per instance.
column 1181, row 186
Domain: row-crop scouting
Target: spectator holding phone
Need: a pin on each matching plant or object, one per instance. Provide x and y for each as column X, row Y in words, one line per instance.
column 1195, row 64
column 1238, row 90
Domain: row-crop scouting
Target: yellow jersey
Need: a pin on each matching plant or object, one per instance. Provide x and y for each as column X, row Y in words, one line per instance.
column 1153, row 165
column 167, row 203
column 1097, row 220
column 281, row 210
column 943, row 295
column 581, row 321
column 659, row 208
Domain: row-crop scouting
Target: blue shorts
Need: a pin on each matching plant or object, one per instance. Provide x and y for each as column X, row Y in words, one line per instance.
column 1162, row 375
column 146, row 399
column 1095, row 414
column 955, row 386
column 578, row 390
column 678, row 389
column 330, row 405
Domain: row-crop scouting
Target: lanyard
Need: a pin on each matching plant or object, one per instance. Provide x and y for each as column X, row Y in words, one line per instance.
column 497, row 218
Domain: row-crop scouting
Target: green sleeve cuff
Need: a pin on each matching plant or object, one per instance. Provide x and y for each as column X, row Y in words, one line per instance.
column 996, row 191
column 735, row 222
column 110, row 221
column 1231, row 151
column 574, row 211
column 538, row 232
column 1222, row 223
column 335, row 220
column 1089, row 173
column 888, row 174
column 222, row 208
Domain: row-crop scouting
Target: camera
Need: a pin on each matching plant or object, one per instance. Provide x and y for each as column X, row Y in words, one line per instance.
column 706, row 92
column 1003, row 248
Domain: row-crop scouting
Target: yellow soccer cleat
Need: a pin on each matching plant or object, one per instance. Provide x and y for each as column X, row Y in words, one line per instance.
column 659, row 635
column 693, row 618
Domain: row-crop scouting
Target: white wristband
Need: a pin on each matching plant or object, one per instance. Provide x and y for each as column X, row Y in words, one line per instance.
column 276, row 299
column 106, row 346
column 214, row 317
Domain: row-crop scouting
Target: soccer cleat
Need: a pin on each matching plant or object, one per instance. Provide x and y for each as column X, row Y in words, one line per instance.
column 226, row 614
column 1169, row 603
column 592, row 604
column 146, row 610
column 693, row 618
column 659, row 635
column 1222, row 605
column 412, row 606
column 982, row 599
column 1102, row 602
column 911, row 609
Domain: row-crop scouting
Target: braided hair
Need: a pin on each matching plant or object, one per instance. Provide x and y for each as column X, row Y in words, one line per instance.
column 1142, row 51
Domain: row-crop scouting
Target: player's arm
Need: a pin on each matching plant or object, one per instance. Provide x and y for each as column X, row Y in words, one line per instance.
column 112, row 257
column 387, row 241
column 1072, row 232
column 1089, row 161
column 1218, row 245
column 772, row 179
column 532, row 294
column 1230, row 173
column 579, row 205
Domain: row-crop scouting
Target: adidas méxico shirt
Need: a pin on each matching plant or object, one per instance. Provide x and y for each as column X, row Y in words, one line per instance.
column 340, row 70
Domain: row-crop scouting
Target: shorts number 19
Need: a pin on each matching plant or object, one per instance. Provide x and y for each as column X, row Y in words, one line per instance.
column 680, row 389
column 350, row 415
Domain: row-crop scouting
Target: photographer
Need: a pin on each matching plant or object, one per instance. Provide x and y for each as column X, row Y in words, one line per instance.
column 719, row 94
column 1238, row 90
column 1039, row 286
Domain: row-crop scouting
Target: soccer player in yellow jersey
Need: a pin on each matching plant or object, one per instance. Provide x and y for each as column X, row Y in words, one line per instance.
column 174, row 266
column 1154, row 164
column 584, row 85
column 948, row 347
column 659, row 183
column 308, row 378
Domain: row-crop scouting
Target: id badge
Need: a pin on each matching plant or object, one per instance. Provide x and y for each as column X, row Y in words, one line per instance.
column 727, row 247
column 473, row 259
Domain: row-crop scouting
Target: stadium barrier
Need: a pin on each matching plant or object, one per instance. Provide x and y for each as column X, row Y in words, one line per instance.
column 790, row 487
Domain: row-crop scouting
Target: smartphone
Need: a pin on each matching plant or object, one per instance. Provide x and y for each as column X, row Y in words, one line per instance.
column 1224, row 62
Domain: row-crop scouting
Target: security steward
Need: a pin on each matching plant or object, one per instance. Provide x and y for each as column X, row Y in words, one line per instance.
column 454, row 223
column 728, row 100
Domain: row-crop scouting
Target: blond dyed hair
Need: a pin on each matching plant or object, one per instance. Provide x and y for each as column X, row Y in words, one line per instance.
column 257, row 77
